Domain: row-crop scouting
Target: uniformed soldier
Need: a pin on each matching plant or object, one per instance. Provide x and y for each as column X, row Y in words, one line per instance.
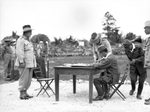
column 25, row 61
column 7, row 55
column 96, row 41
column 147, row 53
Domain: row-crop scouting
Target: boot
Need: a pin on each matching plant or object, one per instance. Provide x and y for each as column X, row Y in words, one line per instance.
column 147, row 102
column 131, row 92
column 107, row 91
column 27, row 95
column 138, row 97
column 23, row 95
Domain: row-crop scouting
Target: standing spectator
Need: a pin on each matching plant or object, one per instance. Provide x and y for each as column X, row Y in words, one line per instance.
column 111, row 75
column 6, row 56
column 39, row 57
column 13, row 48
column 40, row 49
column 96, row 41
column 135, row 55
column 25, row 61
column 147, row 53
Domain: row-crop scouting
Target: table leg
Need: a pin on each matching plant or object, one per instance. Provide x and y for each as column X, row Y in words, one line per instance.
column 90, row 87
column 74, row 84
column 56, row 85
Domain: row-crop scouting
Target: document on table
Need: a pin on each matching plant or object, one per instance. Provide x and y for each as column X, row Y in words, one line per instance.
column 77, row 65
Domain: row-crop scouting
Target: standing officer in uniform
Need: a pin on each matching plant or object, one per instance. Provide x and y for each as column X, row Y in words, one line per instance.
column 25, row 61
column 96, row 41
column 7, row 55
column 147, row 53
column 135, row 55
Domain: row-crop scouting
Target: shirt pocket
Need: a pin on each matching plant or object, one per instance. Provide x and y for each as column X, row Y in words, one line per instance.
column 27, row 46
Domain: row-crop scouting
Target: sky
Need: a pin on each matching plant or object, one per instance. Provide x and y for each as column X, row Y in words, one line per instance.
column 79, row 18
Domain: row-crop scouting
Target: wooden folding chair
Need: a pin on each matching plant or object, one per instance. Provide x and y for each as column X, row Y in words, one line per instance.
column 47, row 81
column 116, row 87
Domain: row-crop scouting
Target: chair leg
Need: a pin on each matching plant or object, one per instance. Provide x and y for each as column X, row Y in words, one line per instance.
column 42, row 88
column 116, row 89
column 119, row 92
column 48, row 86
column 45, row 89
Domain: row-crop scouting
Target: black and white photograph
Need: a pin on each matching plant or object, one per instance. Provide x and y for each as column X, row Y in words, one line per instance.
column 74, row 55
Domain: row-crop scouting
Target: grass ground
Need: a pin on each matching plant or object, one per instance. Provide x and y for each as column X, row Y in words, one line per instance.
column 58, row 61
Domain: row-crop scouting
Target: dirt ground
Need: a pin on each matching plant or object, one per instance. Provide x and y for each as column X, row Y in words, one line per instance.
column 69, row 102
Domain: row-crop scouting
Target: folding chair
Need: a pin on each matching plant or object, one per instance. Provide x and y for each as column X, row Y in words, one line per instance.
column 47, row 81
column 116, row 87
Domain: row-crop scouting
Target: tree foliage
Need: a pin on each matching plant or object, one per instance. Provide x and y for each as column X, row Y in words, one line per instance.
column 40, row 37
column 109, row 22
column 110, row 29
column 67, row 45
column 58, row 41
column 71, row 41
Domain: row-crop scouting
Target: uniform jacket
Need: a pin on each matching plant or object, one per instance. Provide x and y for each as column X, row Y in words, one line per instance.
column 138, row 55
column 25, row 53
column 111, row 66
column 147, row 53
column 6, row 52
column 13, row 52
column 104, row 42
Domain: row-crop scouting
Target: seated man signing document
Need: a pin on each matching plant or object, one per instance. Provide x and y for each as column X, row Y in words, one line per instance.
column 111, row 74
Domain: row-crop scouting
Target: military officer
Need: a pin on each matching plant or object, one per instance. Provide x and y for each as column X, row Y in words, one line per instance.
column 7, row 56
column 147, row 53
column 96, row 41
column 25, row 61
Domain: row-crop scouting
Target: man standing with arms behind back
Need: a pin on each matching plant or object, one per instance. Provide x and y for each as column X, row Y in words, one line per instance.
column 25, row 61
column 147, row 53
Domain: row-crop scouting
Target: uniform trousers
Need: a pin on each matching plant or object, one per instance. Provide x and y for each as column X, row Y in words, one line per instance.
column 25, row 78
column 141, row 78
column 101, row 86
column 7, row 65
column 148, row 71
